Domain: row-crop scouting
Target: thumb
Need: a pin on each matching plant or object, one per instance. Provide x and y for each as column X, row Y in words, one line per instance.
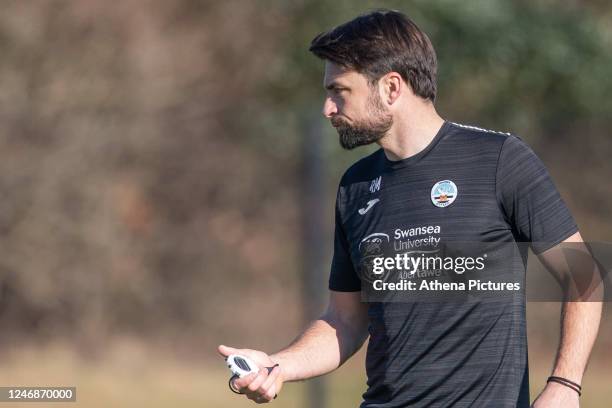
column 226, row 351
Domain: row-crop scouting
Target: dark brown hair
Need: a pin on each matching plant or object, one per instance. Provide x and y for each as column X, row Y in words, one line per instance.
column 380, row 42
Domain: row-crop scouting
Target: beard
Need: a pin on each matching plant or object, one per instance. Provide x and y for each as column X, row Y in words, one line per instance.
column 368, row 131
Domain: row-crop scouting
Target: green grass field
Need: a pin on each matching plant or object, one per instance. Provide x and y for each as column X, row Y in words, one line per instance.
column 129, row 376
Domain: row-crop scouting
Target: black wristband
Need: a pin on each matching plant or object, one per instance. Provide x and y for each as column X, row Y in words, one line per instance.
column 566, row 382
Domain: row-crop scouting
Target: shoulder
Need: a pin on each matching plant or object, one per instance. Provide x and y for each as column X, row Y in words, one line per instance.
column 462, row 133
column 476, row 141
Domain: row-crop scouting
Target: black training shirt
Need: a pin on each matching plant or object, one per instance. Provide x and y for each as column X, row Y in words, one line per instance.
column 468, row 185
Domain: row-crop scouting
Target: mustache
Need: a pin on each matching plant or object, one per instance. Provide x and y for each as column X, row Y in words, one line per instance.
column 338, row 122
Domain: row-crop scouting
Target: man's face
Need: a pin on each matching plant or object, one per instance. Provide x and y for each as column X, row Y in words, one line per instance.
column 354, row 107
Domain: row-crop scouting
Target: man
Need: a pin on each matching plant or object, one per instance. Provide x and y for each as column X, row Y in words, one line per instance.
column 432, row 180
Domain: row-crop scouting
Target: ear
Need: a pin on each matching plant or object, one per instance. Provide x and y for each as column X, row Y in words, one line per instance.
column 392, row 87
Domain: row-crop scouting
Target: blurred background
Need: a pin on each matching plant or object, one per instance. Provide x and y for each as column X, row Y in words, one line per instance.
column 168, row 181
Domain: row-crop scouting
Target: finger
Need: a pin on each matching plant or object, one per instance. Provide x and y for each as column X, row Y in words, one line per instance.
column 271, row 393
column 243, row 383
column 226, row 351
column 256, row 383
column 263, row 389
column 258, row 399
column 253, row 397
column 233, row 386
column 268, row 388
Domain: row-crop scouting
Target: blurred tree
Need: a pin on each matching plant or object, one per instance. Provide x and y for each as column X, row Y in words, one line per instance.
column 150, row 149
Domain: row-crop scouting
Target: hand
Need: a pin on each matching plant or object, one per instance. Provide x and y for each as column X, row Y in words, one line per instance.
column 556, row 395
column 261, row 387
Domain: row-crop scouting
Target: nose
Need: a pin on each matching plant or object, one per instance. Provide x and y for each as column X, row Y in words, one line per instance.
column 329, row 108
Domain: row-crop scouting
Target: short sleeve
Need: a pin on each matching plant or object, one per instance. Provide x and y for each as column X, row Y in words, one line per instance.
column 343, row 277
column 529, row 199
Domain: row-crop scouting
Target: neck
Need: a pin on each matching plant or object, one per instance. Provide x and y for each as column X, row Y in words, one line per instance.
column 411, row 133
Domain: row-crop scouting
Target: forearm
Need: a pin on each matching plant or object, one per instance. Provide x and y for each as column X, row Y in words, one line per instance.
column 581, row 275
column 325, row 345
column 579, row 326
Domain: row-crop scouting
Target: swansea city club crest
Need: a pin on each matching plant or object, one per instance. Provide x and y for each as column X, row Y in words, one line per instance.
column 443, row 193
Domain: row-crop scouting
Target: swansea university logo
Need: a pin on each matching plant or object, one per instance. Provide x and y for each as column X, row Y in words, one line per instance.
column 371, row 247
column 443, row 193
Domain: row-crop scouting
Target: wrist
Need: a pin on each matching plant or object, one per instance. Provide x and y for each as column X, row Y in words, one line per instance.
column 284, row 365
column 564, row 384
column 560, row 389
column 572, row 376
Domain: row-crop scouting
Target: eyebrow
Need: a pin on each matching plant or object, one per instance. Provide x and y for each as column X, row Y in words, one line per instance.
column 333, row 85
